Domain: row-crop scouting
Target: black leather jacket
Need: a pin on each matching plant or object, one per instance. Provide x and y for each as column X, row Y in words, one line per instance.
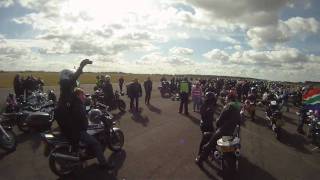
column 229, row 119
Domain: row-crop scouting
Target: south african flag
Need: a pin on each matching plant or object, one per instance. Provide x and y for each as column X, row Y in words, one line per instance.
column 311, row 99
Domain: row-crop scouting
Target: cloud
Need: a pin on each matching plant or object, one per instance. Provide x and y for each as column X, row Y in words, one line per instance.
column 181, row 51
column 6, row 3
column 284, row 31
column 216, row 54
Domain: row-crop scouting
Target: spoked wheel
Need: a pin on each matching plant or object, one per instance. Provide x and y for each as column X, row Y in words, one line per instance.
column 8, row 141
column 116, row 140
column 60, row 166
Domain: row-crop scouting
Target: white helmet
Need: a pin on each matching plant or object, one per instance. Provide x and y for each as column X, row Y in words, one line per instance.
column 108, row 77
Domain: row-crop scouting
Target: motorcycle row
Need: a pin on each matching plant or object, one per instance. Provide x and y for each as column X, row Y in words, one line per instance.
column 274, row 97
column 36, row 113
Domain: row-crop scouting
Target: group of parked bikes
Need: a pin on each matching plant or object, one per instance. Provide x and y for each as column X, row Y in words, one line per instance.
column 36, row 114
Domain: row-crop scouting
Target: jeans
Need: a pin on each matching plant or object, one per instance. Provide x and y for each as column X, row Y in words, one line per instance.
column 148, row 96
column 94, row 145
column 132, row 99
column 183, row 102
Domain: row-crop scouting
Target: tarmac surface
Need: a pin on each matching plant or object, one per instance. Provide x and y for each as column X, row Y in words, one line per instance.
column 160, row 143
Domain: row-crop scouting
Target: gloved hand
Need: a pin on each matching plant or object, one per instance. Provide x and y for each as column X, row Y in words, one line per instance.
column 85, row 62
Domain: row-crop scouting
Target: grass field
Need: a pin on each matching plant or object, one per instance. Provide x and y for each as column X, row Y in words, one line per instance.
column 52, row 78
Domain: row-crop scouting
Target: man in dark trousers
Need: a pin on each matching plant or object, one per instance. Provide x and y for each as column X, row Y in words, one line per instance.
column 184, row 91
column 107, row 91
column 134, row 91
column 121, row 81
column 147, row 88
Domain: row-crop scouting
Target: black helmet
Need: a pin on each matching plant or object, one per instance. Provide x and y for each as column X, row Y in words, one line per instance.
column 210, row 96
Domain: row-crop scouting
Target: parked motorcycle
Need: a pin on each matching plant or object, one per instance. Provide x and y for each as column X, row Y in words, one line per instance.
column 28, row 117
column 228, row 152
column 164, row 88
column 313, row 127
column 7, row 136
column 117, row 102
column 274, row 118
column 64, row 158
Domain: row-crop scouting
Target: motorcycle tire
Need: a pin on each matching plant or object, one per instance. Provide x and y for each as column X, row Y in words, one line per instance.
column 116, row 140
column 122, row 106
column 228, row 166
column 61, row 167
column 23, row 126
column 8, row 144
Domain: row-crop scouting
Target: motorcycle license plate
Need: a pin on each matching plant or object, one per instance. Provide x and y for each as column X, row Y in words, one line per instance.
column 227, row 149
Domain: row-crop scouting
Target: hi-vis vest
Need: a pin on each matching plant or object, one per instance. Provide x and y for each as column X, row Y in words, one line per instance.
column 184, row 87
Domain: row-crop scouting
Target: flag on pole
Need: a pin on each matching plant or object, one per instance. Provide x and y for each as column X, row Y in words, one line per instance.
column 311, row 99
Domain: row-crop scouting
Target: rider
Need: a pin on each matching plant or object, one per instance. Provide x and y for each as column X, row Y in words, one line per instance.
column 207, row 117
column 71, row 115
column 226, row 124
column 107, row 91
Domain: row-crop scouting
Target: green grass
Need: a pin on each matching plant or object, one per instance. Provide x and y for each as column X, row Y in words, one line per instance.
column 52, row 78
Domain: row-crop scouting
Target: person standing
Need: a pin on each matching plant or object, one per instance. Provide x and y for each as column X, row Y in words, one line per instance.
column 196, row 93
column 134, row 91
column 107, row 91
column 121, row 82
column 147, row 88
column 184, row 91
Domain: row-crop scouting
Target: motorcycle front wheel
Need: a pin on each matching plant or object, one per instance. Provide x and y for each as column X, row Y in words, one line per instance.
column 9, row 142
column 116, row 140
column 61, row 167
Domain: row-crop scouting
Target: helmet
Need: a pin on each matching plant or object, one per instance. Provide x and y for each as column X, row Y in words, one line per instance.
column 66, row 74
column 93, row 115
column 107, row 77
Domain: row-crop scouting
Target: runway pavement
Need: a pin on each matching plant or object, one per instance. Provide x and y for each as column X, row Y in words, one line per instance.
column 160, row 143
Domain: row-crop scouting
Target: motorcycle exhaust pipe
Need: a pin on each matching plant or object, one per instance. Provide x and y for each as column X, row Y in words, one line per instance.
column 66, row 157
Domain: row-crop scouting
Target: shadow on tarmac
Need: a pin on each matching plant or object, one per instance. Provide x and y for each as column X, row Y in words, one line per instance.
column 33, row 137
column 154, row 109
column 137, row 117
column 95, row 173
column 296, row 141
column 247, row 171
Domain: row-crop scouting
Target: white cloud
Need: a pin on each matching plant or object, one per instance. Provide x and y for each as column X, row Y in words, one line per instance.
column 6, row 3
column 282, row 32
column 216, row 54
column 181, row 51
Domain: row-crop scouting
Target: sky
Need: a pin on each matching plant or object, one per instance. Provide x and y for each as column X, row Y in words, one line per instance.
column 268, row 39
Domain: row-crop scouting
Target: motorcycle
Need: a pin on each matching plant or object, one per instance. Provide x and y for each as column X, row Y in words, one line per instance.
column 117, row 102
column 274, row 118
column 313, row 127
column 28, row 117
column 7, row 136
column 64, row 158
column 164, row 88
column 228, row 152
